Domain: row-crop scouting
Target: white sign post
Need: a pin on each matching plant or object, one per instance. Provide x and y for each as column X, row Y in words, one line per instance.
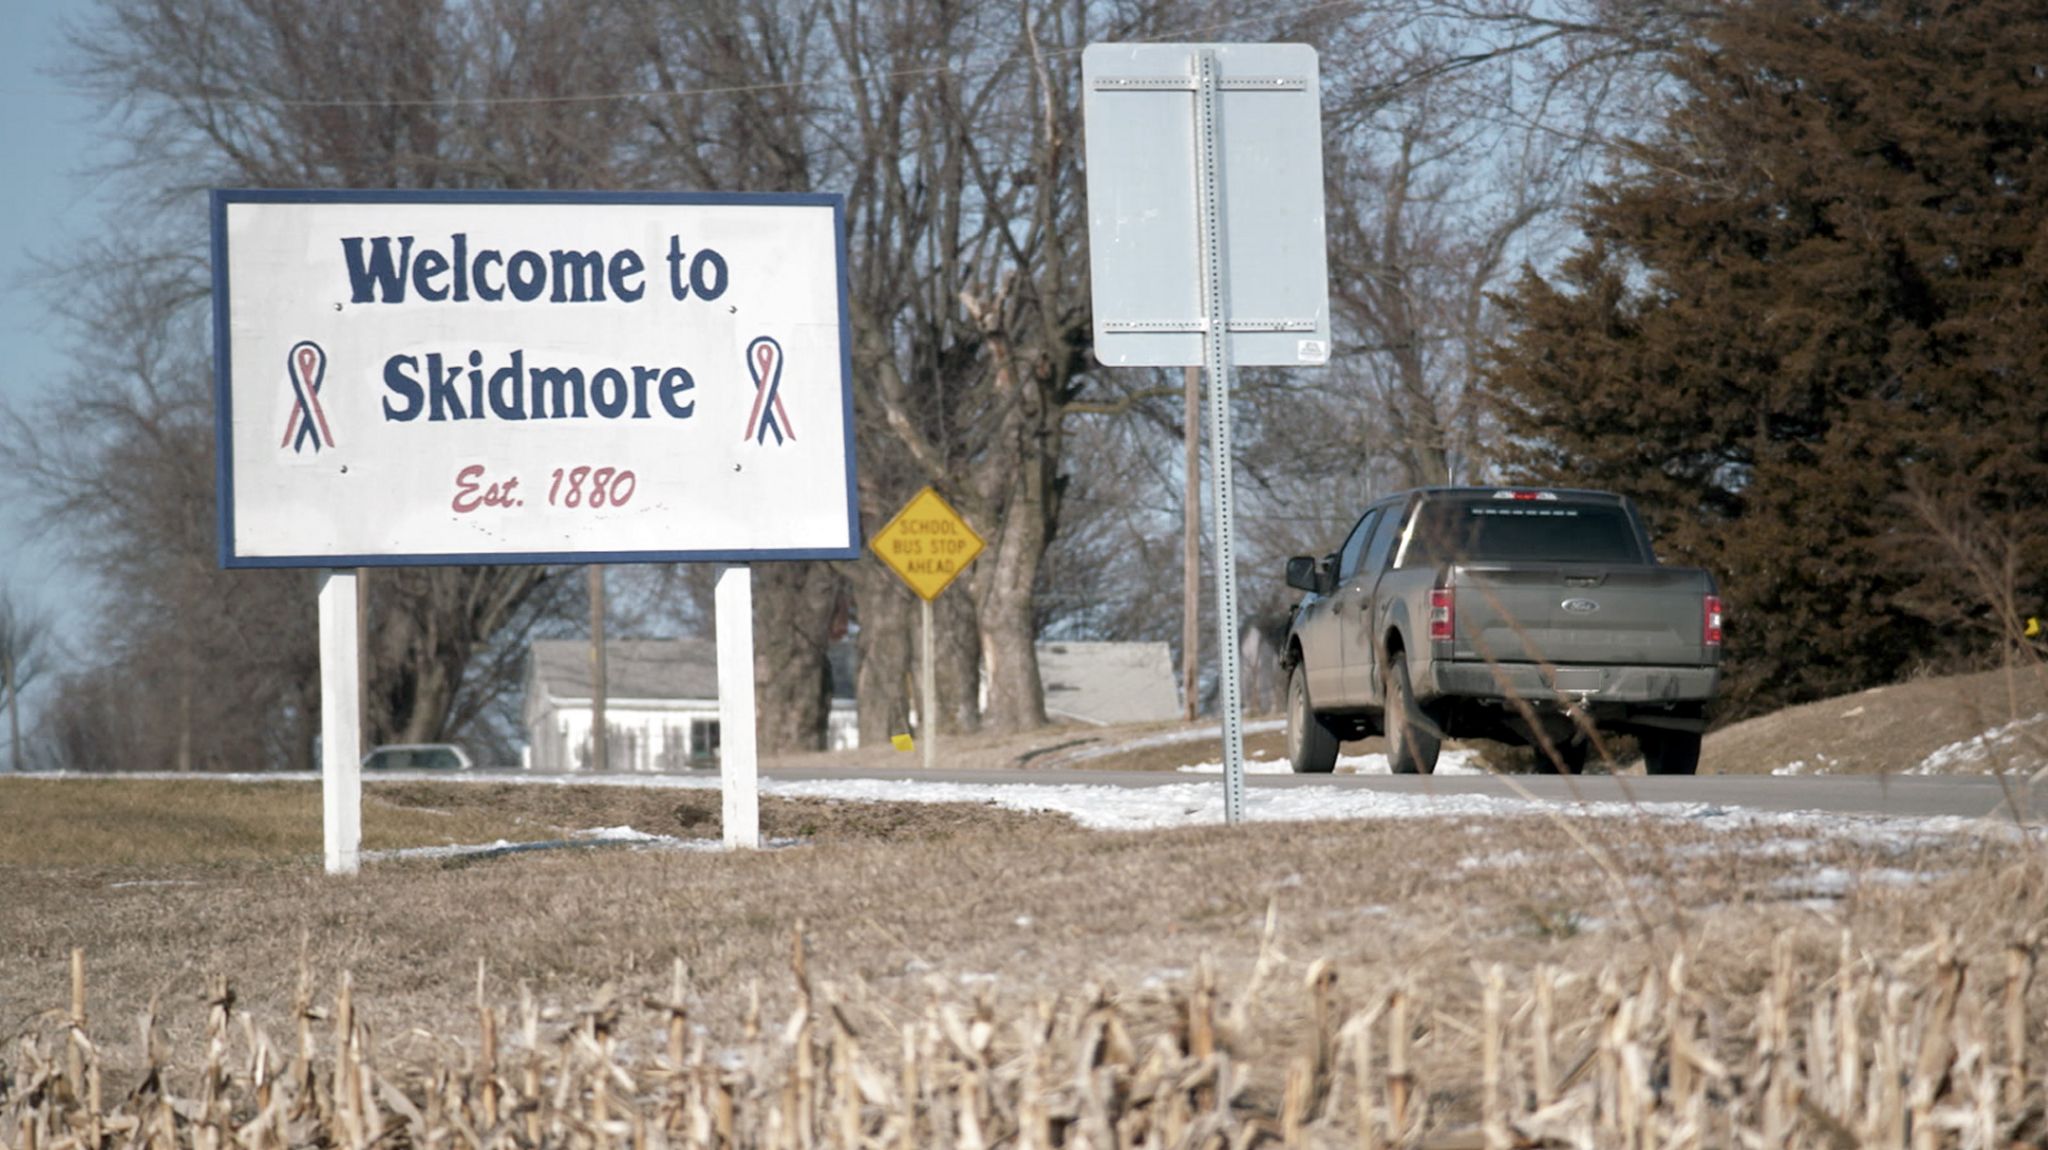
column 733, row 599
column 341, row 752
column 1206, row 246
column 412, row 378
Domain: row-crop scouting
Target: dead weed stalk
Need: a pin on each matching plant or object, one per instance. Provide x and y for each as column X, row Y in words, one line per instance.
column 1908, row 1052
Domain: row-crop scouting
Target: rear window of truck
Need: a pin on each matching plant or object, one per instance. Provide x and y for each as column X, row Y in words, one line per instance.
column 1499, row 531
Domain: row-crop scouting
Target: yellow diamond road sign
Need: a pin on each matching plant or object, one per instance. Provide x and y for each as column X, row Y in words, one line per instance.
column 928, row 544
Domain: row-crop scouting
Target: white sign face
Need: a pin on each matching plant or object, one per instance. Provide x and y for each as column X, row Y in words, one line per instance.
column 1144, row 230
column 408, row 377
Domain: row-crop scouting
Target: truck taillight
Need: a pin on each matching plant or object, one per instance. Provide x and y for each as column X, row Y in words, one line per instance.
column 1710, row 631
column 1440, row 618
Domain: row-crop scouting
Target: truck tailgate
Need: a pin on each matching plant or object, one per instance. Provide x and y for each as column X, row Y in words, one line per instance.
column 1580, row 613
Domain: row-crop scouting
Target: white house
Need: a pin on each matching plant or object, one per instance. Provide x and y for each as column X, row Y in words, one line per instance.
column 661, row 704
column 661, row 698
column 1105, row 683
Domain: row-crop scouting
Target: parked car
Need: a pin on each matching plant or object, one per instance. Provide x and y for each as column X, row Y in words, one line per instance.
column 417, row 757
column 1527, row 616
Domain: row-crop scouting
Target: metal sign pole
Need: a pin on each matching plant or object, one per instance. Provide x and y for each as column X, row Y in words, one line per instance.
column 928, row 717
column 738, row 771
column 341, row 747
column 1216, row 359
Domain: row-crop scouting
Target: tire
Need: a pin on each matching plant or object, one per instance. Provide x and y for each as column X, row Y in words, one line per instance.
column 1413, row 741
column 1671, row 752
column 1311, row 744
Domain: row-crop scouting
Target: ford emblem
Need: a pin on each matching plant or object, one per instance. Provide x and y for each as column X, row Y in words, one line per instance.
column 1581, row 606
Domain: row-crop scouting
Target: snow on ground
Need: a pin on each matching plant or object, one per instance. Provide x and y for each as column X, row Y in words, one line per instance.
column 1176, row 804
column 1821, row 765
column 2016, row 745
column 1452, row 762
column 597, row 836
column 1200, row 803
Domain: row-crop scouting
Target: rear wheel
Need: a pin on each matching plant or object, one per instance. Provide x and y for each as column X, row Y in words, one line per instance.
column 1311, row 746
column 1412, row 740
column 1671, row 752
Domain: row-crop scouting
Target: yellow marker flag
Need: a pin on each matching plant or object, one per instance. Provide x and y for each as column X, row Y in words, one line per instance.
column 901, row 742
column 2033, row 628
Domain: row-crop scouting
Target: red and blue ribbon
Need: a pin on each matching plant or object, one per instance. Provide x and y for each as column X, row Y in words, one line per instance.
column 306, row 368
column 764, row 363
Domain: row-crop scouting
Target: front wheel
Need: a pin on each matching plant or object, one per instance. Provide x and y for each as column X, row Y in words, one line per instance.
column 1412, row 740
column 1311, row 746
column 1671, row 752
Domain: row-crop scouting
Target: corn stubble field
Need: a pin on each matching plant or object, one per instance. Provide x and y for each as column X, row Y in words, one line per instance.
column 908, row 976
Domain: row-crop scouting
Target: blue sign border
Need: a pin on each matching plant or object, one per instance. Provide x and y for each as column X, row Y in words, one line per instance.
column 224, row 464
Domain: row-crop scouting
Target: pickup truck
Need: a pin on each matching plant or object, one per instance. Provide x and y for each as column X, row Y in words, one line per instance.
column 1532, row 617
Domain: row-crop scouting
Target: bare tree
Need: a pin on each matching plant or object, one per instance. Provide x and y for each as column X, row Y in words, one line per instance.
column 1455, row 148
column 291, row 94
column 223, row 663
column 1457, row 135
column 24, row 644
column 741, row 113
column 971, row 317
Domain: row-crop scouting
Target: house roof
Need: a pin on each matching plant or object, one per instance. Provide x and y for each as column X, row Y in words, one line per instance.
column 633, row 668
column 651, row 668
column 1109, row 682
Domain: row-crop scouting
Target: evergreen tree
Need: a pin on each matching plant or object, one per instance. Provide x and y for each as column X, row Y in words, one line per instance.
column 1823, row 285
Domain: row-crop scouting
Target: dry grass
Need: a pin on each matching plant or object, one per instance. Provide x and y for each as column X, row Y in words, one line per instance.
column 109, row 826
column 1889, row 730
column 129, row 823
column 909, row 906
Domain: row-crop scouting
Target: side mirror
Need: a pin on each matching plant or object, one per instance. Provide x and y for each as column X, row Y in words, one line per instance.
column 1302, row 574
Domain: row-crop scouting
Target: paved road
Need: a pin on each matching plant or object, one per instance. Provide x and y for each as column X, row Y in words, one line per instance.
column 1966, row 796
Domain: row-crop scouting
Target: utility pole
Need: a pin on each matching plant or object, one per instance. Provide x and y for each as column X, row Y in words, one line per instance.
column 599, row 753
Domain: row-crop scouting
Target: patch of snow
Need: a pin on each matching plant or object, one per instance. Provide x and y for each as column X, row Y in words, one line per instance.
column 1251, row 767
column 1451, row 762
column 1165, row 977
column 1100, row 807
column 1510, row 860
column 152, row 882
column 576, row 840
column 2012, row 745
column 620, row 835
column 1852, row 712
column 1821, row 765
column 1835, row 882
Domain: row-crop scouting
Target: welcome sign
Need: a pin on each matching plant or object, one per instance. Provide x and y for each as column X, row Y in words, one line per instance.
column 417, row 377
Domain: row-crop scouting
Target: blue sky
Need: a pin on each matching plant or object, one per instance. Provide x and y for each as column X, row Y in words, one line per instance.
column 48, row 136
